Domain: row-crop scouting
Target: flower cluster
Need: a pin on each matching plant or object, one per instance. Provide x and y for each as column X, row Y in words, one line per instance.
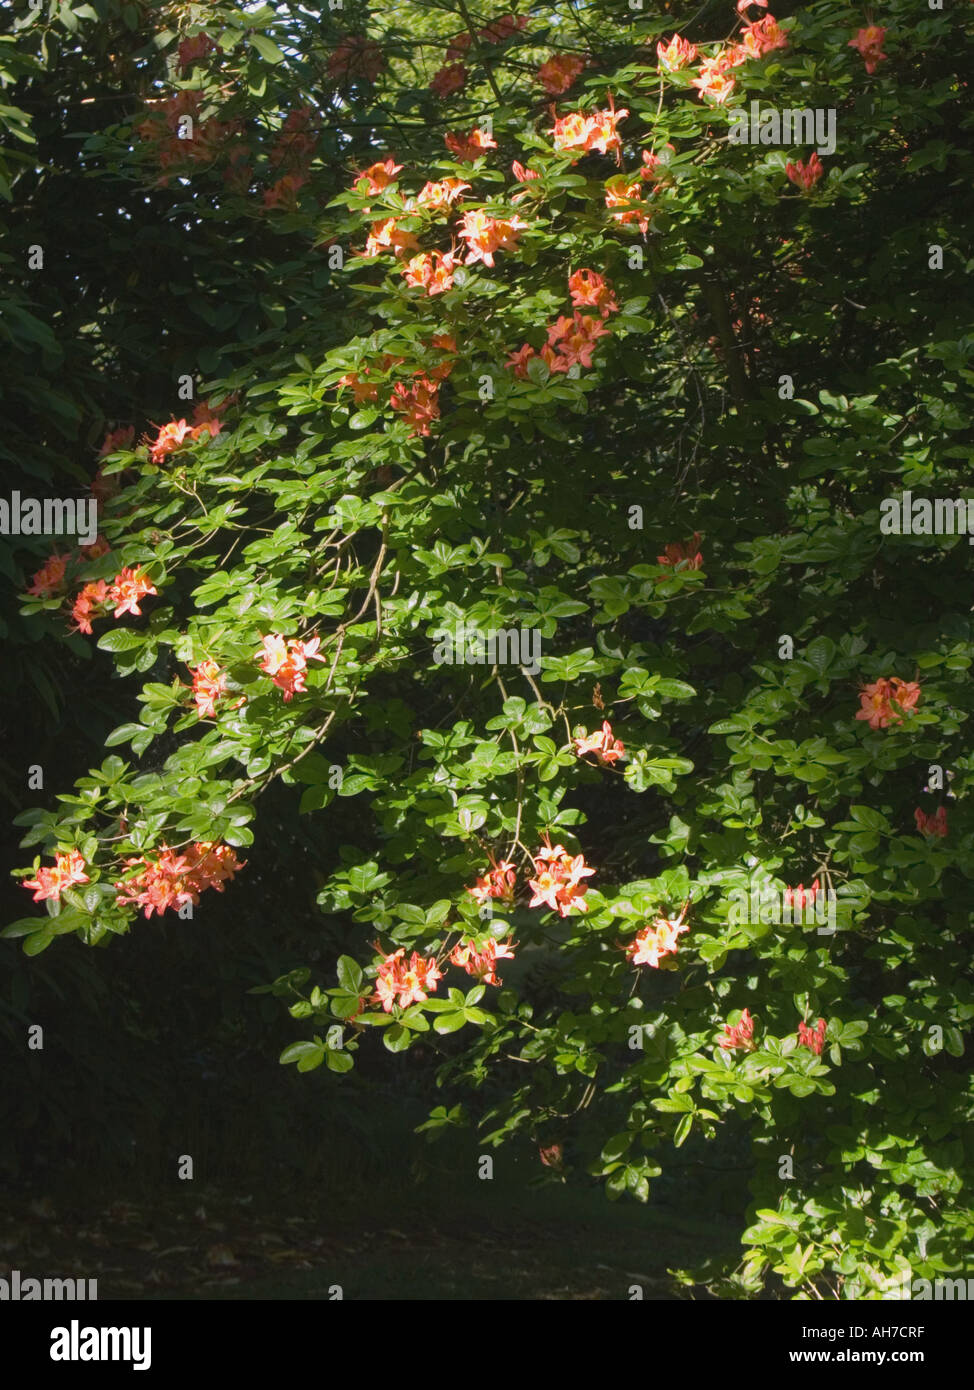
column 418, row 404
column 571, row 341
column 801, row 897
column 626, row 196
column 558, row 883
column 193, row 49
column 469, row 147
column 172, row 879
column 805, row 175
column 498, row 882
column 675, row 54
column 714, row 79
column 68, row 870
column 606, row 748
column 123, row 595
column 740, row 1035
column 286, row 662
column 356, row 59
column 209, row 685
column 431, row 271
column 484, row 235
column 579, row 133
column 812, row 1037
column 559, row 72
column 174, row 435
column 869, row 44
column 178, row 138
column 935, row 825
column 879, row 699
column 480, row 964
column 682, row 555
column 405, row 982
column 657, row 940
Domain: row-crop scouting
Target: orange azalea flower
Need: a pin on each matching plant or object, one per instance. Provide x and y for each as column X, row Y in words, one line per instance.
column 171, row 879
column 386, row 235
column 197, row 47
column 812, row 1037
column 284, row 193
column 89, row 604
column 606, row 748
column 681, row 556
column 209, row 684
column 869, row 43
column 98, row 547
column 552, row 1156
column 876, row 699
column 935, row 825
column 467, row 148
column 449, row 79
column 742, row 5
column 504, row 28
column 418, row 403
column 763, row 37
column 559, row 72
column 485, row 235
column 741, row 1035
column 356, row 58
column 442, row 342
column 117, row 439
column 589, row 290
column 713, row 80
column 805, row 175
column 458, row 47
column 651, row 163
column 621, row 192
column 376, row 177
column 433, row 272
column 404, row 983
column 498, row 882
column 68, row 870
column 49, row 577
column 584, row 133
column 576, row 337
column 287, row 661
column 481, row 964
column 169, row 438
column 558, row 883
column 905, row 693
column 440, row 196
column 518, row 361
column 676, row 54
column 658, row 940
column 295, row 142
column 361, row 390
column 524, row 175
column 127, row 588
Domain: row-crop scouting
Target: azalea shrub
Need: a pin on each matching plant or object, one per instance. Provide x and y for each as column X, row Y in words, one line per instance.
column 564, row 519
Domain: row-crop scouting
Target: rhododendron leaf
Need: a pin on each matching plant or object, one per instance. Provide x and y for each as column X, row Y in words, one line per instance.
column 450, row 1023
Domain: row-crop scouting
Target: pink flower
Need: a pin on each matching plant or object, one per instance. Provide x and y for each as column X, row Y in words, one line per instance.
column 606, row 748
column 869, row 43
column 812, row 1037
column 806, row 175
column 740, row 1035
